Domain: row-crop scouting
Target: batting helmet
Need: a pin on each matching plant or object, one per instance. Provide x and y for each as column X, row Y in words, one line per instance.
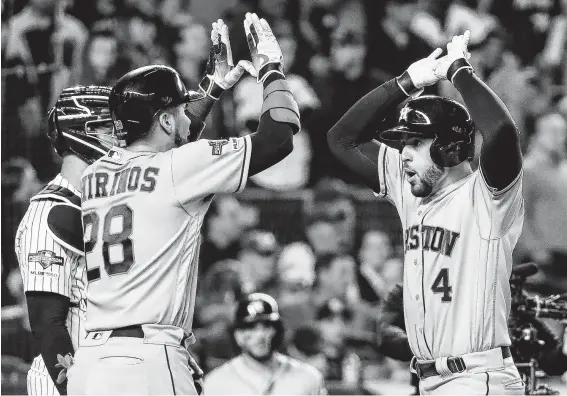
column 259, row 307
column 77, row 123
column 140, row 94
column 444, row 120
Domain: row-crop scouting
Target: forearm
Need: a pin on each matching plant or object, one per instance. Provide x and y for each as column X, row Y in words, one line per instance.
column 273, row 140
column 360, row 122
column 350, row 138
column 48, row 313
column 499, row 132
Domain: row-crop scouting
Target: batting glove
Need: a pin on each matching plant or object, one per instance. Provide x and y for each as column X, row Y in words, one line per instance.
column 221, row 74
column 267, row 56
column 456, row 59
column 420, row 74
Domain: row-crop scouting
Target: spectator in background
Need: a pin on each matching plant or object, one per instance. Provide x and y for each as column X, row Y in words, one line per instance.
column 545, row 193
column 223, row 225
column 322, row 235
column 49, row 43
column 45, row 45
column 378, row 269
column 348, row 81
column 296, row 269
column 333, row 200
column 335, row 279
column 217, row 295
column 258, row 257
column 392, row 35
column 307, row 346
column 192, row 52
column 101, row 59
column 535, row 25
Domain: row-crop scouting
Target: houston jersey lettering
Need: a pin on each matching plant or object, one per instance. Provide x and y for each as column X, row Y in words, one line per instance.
column 458, row 259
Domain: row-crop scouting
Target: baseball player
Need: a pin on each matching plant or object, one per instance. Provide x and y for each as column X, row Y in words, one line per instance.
column 49, row 239
column 259, row 369
column 460, row 226
column 143, row 208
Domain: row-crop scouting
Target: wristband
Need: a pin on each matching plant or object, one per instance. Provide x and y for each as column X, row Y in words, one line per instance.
column 456, row 67
column 266, row 70
column 406, row 84
column 211, row 88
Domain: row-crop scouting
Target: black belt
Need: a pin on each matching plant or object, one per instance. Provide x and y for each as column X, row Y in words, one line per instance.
column 128, row 331
column 455, row 365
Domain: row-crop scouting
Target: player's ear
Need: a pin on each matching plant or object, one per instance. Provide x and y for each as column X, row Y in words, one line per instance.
column 167, row 122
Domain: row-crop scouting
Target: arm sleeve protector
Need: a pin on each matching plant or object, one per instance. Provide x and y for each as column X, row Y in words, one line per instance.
column 281, row 104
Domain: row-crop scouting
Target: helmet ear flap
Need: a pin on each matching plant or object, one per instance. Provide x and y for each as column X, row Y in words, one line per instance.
column 448, row 154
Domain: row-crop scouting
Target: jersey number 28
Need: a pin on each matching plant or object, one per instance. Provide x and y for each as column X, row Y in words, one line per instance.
column 110, row 238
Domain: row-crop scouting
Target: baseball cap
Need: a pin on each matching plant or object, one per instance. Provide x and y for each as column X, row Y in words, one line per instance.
column 262, row 242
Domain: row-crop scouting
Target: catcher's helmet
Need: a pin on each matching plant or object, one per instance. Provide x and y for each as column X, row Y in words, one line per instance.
column 140, row 94
column 259, row 307
column 444, row 120
column 80, row 123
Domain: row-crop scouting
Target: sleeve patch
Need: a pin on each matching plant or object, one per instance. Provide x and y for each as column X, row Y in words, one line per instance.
column 217, row 146
column 66, row 227
column 45, row 258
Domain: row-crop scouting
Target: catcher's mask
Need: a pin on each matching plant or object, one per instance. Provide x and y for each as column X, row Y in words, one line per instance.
column 444, row 120
column 139, row 95
column 80, row 123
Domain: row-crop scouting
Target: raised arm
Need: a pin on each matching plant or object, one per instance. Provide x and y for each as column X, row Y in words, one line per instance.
column 350, row 139
column 279, row 120
column 500, row 156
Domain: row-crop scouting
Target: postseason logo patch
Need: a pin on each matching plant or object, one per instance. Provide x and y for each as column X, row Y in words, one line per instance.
column 45, row 258
column 217, row 146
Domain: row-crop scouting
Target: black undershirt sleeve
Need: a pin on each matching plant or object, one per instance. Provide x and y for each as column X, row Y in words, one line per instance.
column 500, row 156
column 350, row 139
column 272, row 142
column 48, row 316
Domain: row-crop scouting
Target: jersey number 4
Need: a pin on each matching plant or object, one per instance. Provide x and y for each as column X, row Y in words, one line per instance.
column 110, row 239
column 441, row 285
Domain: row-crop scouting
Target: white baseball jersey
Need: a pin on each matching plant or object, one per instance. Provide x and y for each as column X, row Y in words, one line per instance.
column 142, row 215
column 50, row 263
column 458, row 260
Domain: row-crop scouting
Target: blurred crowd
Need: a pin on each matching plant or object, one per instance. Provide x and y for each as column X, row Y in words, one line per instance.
column 330, row 275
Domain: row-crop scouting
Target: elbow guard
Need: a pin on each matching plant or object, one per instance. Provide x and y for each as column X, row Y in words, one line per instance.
column 281, row 104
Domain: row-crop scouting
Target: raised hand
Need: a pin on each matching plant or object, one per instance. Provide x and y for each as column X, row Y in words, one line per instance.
column 456, row 49
column 221, row 74
column 422, row 72
column 265, row 51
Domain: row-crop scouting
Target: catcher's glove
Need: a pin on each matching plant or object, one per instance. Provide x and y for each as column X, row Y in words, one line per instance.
column 267, row 56
column 221, row 74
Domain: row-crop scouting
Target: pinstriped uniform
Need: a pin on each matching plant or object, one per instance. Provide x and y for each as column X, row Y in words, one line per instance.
column 48, row 266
